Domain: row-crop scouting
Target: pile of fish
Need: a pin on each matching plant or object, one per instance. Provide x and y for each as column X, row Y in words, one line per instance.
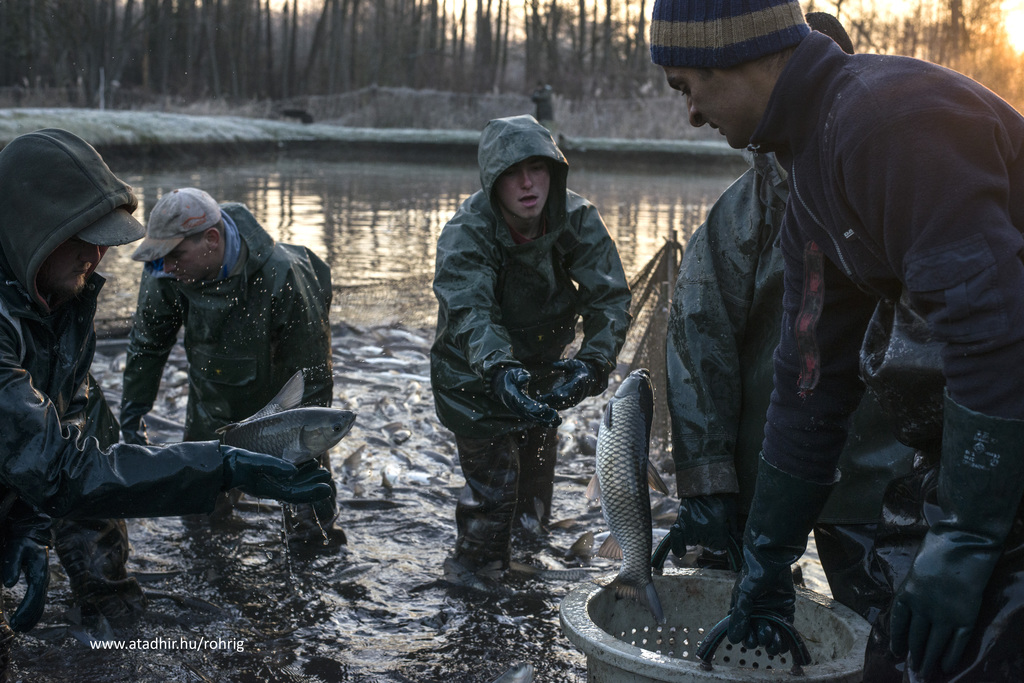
column 374, row 610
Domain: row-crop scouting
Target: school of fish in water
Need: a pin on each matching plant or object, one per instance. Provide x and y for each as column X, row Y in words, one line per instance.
column 376, row 611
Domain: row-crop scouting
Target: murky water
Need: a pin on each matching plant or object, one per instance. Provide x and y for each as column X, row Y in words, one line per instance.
column 231, row 604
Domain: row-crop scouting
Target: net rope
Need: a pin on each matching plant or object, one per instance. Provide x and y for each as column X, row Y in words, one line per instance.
column 646, row 340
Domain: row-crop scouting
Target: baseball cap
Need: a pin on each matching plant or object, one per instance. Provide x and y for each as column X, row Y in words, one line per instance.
column 180, row 213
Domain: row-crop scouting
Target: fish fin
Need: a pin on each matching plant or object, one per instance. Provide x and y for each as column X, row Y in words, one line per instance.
column 523, row 568
column 567, row 523
column 646, row 595
column 290, row 395
column 654, row 479
column 296, row 454
column 654, row 603
column 606, row 419
column 226, row 428
column 593, row 492
column 610, row 549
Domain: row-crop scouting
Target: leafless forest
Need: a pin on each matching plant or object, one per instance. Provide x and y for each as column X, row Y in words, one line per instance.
column 426, row 63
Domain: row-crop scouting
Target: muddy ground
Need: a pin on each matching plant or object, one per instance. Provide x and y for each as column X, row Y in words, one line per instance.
column 232, row 604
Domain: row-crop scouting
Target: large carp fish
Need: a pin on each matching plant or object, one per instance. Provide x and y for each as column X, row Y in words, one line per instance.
column 281, row 428
column 623, row 474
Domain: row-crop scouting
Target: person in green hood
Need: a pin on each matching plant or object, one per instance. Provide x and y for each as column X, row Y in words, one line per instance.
column 60, row 210
column 518, row 265
column 255, row 312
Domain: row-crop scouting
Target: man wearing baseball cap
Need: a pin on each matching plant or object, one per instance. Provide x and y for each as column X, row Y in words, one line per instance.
column 60, row 209
column 181, row 214
column 904, row 183
column 254, row 311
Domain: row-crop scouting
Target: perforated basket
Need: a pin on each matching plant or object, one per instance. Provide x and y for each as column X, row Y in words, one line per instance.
column 623, row 644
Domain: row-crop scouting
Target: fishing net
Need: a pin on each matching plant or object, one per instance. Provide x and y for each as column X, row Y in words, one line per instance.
column 645, row 342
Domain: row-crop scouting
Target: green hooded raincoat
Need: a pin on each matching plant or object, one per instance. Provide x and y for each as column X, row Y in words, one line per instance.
column 54, row 186
column 502, row 304
column 245, row 335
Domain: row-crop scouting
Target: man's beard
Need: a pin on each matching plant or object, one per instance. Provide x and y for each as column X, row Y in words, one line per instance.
column 61, row 293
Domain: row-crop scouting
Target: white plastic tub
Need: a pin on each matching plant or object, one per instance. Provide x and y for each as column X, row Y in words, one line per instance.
column 623, row 644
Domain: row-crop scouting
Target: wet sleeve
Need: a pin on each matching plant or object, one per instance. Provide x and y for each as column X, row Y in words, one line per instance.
column 91, row 414
column 75, row 413
column 62, row 473
column 713, row 296
column 604, row 293
column 465, row 279
column 817, row 380
column 158, row 317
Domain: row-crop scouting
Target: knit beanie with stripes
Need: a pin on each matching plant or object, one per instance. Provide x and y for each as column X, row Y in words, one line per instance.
column 719, row 34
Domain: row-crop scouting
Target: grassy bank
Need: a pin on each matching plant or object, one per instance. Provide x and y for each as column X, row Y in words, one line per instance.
column 657, row 118
column 160, row 136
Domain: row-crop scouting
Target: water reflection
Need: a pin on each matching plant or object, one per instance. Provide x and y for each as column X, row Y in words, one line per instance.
column 377, row 224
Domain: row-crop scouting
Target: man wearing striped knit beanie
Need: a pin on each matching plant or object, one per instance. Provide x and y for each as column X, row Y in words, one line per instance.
column 904, row 182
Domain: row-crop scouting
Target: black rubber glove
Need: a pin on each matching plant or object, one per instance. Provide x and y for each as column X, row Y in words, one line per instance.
column 981, row 481
column 265, row 476
column 710, row 521
column 581, row 380
column 133, row 427
column 326, row 509
column 781, row 516
column 24, row 554
column 510, row 385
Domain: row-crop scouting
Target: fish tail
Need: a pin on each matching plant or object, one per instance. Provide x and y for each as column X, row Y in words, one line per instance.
column 654, row 603
column 644, row 593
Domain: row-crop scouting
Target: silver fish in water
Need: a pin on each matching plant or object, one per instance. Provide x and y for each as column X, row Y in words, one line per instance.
column 289, row 432
column 520, row 673
column 623, row 445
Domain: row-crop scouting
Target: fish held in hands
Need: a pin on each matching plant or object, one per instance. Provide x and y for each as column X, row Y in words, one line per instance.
column 281, row 428
column 623, row 445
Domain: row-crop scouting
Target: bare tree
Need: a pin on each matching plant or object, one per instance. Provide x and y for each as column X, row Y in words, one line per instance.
column 254, row 49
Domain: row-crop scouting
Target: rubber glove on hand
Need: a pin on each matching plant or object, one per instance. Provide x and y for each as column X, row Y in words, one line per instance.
column 265, row 476
column 712, row 522
column 980, row 485
column 23, row 554
column 781, row 516
column 510, row 384
column 936, row 608
column 581, row 381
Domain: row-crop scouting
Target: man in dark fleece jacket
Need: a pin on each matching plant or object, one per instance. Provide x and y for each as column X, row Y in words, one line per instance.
column 902, row 179
column 60, row 209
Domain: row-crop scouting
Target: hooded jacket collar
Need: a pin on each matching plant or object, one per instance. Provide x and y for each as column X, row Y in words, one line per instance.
column 504, row 143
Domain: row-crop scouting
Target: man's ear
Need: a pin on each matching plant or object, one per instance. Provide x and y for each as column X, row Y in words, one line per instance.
column 212, row 237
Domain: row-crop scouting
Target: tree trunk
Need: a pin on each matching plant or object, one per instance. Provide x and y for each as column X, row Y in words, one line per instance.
column 318, row 39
